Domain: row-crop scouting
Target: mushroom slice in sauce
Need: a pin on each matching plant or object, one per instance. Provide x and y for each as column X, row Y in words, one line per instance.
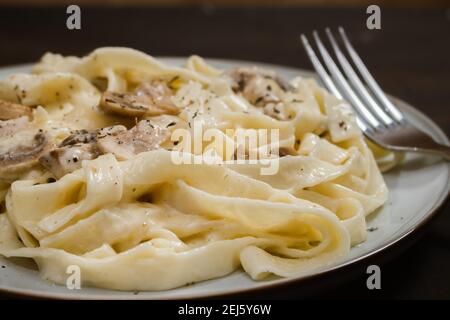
column 152, row 99
column 21, row 146
column 125, row 145
column 159, row 93
column 89, row 144
column 242, row 76
column 260, row 87
column 64, row 160
column 80, row 136
column 80, row 145
column 10, row 110
column 87, row 136
column 123, row 104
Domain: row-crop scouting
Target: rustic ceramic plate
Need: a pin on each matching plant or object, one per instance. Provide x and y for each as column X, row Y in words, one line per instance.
column 417, row 188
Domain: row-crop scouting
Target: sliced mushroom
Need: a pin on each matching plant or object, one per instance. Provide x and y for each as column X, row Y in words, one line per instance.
column 125, row 145
column 9, row 127
column 64, row 160
column 87, row 136
column 152, row 99
column 123, row 104
column 241, row 77
column 80, row 145
column 21, row 145
column 262, row 88
column 159, row 94
column 10, row 110
column 80, row 136
column 89, row 144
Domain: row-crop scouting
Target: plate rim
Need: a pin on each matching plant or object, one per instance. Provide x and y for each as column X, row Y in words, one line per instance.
column 413, row 229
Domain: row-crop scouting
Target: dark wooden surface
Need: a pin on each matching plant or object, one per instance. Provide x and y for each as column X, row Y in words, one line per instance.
column 410, row 57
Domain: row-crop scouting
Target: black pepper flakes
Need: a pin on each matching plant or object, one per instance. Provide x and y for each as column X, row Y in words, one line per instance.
column 342, row 125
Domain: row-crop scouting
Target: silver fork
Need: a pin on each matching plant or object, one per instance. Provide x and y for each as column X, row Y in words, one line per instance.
column 379, row 119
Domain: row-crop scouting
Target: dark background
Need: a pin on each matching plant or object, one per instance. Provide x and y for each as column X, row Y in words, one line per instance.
column 410, row 56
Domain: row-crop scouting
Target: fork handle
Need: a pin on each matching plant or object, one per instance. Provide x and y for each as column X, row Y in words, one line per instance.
column 439, row 149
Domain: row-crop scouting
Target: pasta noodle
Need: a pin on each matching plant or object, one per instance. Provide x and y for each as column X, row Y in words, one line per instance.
column 133, row 219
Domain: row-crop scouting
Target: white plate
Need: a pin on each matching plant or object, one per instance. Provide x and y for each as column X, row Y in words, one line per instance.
column 417, row 189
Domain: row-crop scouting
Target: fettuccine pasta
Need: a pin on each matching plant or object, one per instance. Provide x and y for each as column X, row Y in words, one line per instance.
column 87, row 175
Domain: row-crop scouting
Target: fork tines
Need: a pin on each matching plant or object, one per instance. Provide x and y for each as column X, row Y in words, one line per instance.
column 372, row 106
